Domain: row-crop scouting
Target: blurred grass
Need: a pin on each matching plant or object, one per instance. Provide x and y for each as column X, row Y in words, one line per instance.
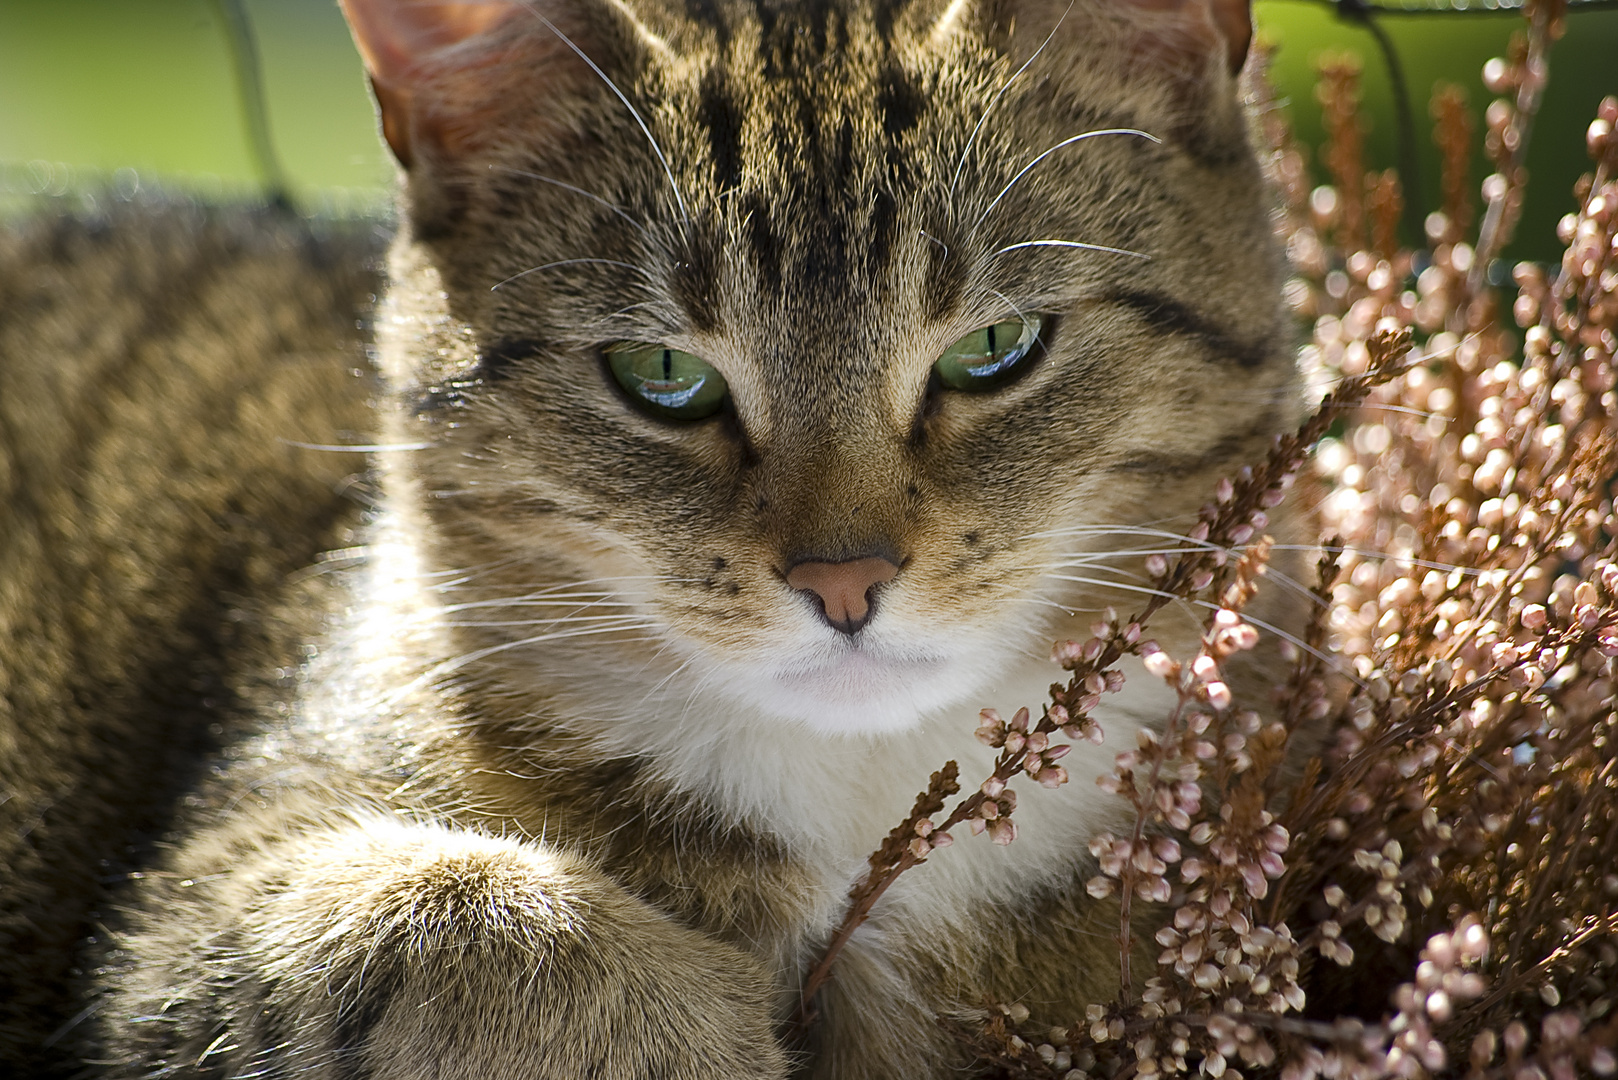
column 88, row 87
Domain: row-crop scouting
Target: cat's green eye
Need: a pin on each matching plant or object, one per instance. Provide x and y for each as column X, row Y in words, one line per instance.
column 667, row 382
column 990, row 357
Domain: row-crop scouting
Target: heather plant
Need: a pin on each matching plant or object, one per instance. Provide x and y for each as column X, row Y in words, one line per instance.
column 1436, row 893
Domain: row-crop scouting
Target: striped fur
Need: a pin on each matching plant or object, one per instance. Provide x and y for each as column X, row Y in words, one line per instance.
column 573, row 784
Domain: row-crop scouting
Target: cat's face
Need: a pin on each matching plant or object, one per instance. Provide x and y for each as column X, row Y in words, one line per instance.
column 706, row 368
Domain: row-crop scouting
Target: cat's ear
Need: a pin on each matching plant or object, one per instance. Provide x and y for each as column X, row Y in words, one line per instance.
column 1175, row 39
column 1181, row 35
column 445, row 74
column 1171, row 64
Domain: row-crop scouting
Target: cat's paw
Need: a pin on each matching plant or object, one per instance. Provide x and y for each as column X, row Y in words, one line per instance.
column 410, row 951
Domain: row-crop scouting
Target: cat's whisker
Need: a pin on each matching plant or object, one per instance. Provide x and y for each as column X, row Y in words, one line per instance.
column 1004, row 299
column 1279, row 577
column 571, row 262
column 1390, row 556
column 609, row 204
column 456, row 663
column 972, row 138
column 563, row 620
column 576, row 605
column 1103, row 248
column 358, row 448
column 1065, row 142
column 685, row 214
column 1326, row 658
column 679, row 668
column 1113, row 530
column 623, row 312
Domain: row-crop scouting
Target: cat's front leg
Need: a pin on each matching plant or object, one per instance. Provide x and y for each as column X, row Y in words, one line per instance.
column 405, row 951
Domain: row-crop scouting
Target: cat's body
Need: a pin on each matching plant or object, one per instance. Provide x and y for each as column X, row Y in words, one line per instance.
column 157, row 363
column 576, row 778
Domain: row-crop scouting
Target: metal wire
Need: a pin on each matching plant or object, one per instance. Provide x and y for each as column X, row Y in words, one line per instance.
column 243, row 48
column 1364, row 14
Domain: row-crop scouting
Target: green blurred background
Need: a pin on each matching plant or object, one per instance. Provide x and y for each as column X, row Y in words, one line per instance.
column 90, row 87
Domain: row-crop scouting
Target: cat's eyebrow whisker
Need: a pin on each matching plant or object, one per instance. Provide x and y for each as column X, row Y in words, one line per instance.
column 571, row 262
column 1069, row 141
column 609, row 204
column 1073, row 244
column 623, row 312
column 685, row 214
column 972, row 138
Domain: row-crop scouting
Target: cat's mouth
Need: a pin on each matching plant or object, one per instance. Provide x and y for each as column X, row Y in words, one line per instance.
column 857, row 688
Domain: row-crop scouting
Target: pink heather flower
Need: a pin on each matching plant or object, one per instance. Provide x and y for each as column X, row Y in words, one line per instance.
column 1160, row 665
column 1052, row 776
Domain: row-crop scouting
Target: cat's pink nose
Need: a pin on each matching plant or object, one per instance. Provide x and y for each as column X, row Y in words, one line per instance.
column 843, row 588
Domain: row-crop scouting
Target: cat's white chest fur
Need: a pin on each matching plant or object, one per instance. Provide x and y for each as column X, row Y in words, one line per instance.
column 831, row 799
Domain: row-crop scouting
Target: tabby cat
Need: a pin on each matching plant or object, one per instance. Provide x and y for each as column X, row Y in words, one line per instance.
column 766, row 385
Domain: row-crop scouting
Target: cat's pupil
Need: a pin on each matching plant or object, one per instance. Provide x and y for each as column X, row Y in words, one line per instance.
column 668, row 363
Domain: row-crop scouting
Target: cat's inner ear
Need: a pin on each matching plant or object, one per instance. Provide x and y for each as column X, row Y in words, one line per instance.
column 446, row 74
column 1182, row 34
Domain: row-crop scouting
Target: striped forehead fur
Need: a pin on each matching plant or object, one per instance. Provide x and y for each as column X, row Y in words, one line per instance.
column 818, row 198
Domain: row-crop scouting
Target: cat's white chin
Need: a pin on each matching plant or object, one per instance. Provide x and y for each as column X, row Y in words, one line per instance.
column 855, row 691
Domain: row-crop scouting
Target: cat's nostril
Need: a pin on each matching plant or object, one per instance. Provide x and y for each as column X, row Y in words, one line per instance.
column 843, row 588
